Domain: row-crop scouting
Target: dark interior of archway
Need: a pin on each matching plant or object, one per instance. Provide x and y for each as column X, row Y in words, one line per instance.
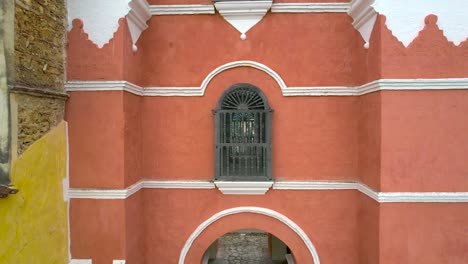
column 248, row 247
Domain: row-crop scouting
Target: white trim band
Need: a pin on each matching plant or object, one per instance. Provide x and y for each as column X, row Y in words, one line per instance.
column 310, row 8
column 375, row 86
column 378, row 85
column 381, row 197
column 161, row 10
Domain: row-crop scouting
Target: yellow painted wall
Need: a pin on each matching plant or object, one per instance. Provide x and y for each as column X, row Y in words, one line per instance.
column 33, row 222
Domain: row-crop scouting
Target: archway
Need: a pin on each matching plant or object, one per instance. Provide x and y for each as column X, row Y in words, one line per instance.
column 250, row 217
column 248, row 246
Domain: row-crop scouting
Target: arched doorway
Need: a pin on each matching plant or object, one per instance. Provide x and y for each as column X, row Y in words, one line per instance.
column 248, row 246
column 253, row 218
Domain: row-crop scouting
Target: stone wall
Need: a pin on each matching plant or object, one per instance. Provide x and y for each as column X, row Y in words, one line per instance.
column 40, row 28
column 38, row 96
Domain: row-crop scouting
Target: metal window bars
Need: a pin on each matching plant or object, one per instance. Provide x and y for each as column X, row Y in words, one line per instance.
column 243, row 135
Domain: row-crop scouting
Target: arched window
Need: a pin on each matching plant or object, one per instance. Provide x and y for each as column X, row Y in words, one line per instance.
column 243, row 135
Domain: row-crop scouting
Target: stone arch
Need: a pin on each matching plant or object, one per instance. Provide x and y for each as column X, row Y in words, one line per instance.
column 246, row 63
column 254, row 210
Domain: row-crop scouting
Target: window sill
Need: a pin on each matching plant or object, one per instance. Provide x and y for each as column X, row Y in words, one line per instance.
column 244, row 187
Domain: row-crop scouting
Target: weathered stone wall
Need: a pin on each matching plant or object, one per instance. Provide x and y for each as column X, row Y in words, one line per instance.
column 36, row 115
column 40, row 29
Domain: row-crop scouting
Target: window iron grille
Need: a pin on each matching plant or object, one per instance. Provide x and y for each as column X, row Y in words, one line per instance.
column 243, row 135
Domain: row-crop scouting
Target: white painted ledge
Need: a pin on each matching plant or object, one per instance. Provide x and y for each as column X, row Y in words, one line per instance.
column 161, row 10
column 310, row 8
column 375, row 86
column 259, row 188
column 243, row 188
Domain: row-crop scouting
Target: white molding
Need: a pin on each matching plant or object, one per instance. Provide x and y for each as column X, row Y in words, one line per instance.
column 375, row 86
column 243, row 188
column 118, row 261
column 422, row 197
column 99, row 86
column 364, row 17
column 314, row 185
column 136, row 19
column 254, row 210
column 161, row 10
column 81, row 261
column 381, row 197
column 310, row 8
column 244, row 63
column 107, row 194
column 243, row 15
column 151, row 184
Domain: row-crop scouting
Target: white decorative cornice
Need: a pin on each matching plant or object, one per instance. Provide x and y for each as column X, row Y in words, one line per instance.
column 375, row 86
column 310, row 8
column 259, row 187
column 364, row 17
column 136, row 19
column 161, row 10
column 253, row 210
column 243, row 15
column 243, row 188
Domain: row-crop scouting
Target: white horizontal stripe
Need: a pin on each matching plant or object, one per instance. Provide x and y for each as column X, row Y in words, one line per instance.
column 158, row 10
column 81, row 261
column 381, row 197
column 310, row 7
column 379, row 85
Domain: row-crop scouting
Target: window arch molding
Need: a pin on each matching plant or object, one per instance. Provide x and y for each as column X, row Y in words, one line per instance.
column 243, row 135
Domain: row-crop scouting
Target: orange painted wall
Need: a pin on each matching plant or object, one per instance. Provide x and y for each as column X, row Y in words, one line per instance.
column 424, row 141
column 114, row 61
column 423, row 233
column 369, row 230
column 331, row 221
column 97, row 230
column 135, row 246
column 96, row 139
column 369, row 139
column 313, row 137
column 284, row 42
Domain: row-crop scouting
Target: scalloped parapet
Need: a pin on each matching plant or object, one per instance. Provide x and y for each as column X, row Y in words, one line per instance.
column 101, row 18
column 405, row 19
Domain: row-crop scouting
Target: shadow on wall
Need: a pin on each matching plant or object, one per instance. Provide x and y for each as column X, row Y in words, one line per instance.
column 248, row 246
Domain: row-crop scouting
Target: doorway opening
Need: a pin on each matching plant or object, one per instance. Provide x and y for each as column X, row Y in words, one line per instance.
column 248, row 246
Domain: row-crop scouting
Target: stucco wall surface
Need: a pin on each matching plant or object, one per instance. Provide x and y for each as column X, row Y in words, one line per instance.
column 34, row 225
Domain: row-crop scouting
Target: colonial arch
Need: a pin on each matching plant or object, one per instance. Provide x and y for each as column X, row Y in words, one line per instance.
column 254, row 210
column 246, row 63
